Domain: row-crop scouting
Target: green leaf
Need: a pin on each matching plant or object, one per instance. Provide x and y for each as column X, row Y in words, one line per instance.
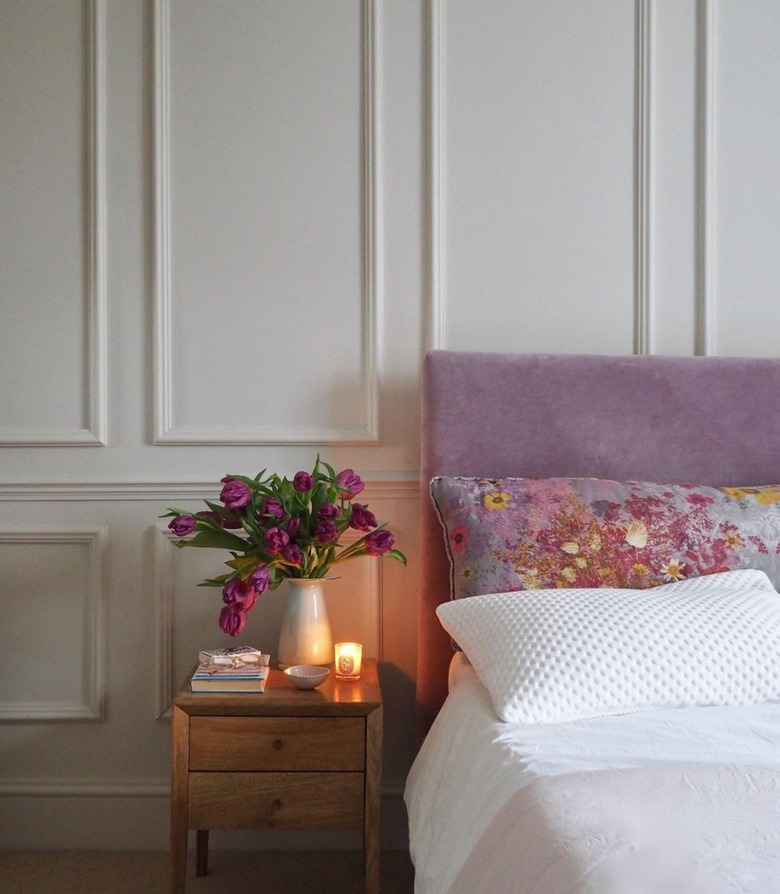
column 215, row 539
column 396, row 554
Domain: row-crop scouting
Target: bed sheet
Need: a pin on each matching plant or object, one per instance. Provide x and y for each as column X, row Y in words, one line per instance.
column 474, row 776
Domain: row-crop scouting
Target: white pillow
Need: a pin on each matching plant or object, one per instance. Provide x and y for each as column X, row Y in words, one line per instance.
column 555, row 655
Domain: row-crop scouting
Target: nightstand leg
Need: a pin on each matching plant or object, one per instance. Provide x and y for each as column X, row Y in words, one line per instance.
column 179, row 800
column 202, row 852
column 371, row 837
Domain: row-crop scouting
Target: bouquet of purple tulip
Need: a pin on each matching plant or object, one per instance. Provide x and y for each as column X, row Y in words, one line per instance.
column 287, row 529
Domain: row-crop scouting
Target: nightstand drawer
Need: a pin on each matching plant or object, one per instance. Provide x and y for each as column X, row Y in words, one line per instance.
column 277, row 743
column 276, row 800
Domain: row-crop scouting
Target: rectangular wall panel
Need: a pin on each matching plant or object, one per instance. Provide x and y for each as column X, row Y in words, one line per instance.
column 52, row 635
column 533, row 143
column 744, row 177
column 52, row 226
column 267, row 268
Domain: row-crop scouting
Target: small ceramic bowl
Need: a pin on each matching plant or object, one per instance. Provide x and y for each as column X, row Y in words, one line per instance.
column 307, row 676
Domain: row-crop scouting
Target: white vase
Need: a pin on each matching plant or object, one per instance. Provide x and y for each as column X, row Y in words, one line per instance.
column 305, row 637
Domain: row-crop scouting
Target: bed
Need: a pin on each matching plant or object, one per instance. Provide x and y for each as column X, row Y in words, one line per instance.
column 599, row 626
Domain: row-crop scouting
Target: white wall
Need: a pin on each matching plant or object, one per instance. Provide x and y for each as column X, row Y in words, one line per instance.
column 230, row 229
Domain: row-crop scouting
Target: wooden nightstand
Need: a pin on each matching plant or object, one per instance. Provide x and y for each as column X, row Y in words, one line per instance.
column 286, row 759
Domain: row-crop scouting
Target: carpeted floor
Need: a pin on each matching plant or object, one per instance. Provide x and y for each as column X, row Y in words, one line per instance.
column 265, row 872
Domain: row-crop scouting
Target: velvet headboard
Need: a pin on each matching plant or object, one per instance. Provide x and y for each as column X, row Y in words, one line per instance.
column 702, row 420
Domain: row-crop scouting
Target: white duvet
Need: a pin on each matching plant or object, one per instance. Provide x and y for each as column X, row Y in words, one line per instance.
column 655, row 802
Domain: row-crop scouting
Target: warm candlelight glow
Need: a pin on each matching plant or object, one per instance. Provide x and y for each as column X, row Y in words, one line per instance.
column 349, row 657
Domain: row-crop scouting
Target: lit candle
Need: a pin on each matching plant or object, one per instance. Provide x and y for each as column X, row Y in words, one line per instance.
column 349, row 657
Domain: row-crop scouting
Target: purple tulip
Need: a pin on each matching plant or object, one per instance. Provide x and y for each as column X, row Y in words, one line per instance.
column 326, row 532
column 182, row 525
column 235, row 494
column 272, row 507
column 232, row 620
column 239, row 593
column 303, row 482
column 350, row 483
column 292, row 554
column 293, row 526
column 275, row 539
column 260, row 578
column 379, row 542
column 362, row 519
column 327, row 510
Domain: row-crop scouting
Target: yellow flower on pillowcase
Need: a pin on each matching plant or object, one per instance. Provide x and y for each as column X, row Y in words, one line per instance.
column 569, row 574
column 640, row 568
column 768, row 495
column 499, row 499
column 636, row 534
column 531, row 579
column 732, row 540
column 675, row 570
column 765, row 495
column 571, row 548
column 594, row 541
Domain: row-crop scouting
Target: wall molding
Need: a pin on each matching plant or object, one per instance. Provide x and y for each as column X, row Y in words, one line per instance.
column 399, row 487
column 111, row 788
column 96, row 388
column 705, row 290
column 166, row 432
column 435, row 319
column 84, row 788
column 435, row 316
column 93, row 651
column 643, row 206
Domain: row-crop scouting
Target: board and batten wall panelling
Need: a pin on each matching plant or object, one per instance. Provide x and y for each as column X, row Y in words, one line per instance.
column 744, row 176
column 533, row 167
column 267, row 266
column 52, row 258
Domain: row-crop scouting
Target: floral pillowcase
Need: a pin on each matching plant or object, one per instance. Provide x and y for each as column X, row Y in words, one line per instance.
column 522, row 533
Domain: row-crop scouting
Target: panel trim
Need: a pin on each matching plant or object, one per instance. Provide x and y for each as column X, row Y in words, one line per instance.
column 705, row 289
column 400, row 487
column 84, row 788
column 165, row 431
column 95, row 433
column 435, row 317
column 643, row 205
column 109, row 788
column 93, row 654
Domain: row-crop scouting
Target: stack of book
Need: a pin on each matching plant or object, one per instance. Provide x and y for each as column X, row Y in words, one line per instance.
column 240, row 669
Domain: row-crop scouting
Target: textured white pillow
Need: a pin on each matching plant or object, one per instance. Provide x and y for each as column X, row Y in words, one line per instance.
column 553, row 655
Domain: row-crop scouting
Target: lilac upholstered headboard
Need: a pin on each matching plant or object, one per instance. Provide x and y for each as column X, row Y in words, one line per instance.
column 701, row 420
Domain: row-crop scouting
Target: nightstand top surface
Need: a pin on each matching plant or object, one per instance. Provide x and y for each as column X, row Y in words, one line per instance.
column 333, row 697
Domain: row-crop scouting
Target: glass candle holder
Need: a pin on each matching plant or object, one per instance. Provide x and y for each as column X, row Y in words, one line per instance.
column 348, row 660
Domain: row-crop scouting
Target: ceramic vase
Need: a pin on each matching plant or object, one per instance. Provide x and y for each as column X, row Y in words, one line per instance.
column 305, row 636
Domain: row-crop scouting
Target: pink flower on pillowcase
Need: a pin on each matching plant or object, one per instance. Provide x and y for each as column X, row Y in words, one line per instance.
column 459, row 538
column 699, row 500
